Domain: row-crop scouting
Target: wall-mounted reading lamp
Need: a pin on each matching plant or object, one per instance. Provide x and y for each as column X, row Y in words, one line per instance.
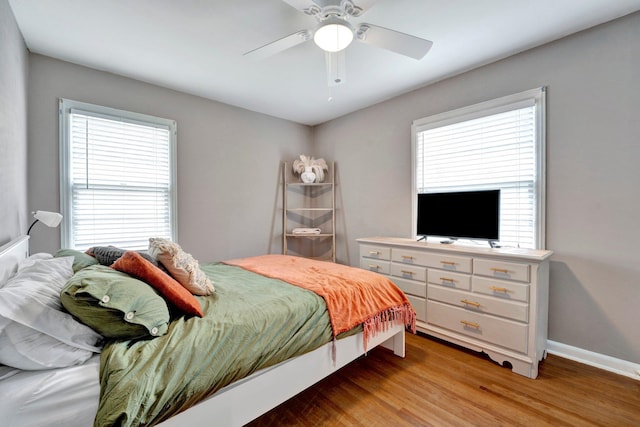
column 50, row 219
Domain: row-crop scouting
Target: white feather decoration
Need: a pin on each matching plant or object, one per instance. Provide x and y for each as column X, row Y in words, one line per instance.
column 318, row 166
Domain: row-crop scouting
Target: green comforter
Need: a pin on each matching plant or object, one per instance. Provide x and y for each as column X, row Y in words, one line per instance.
column 251, row 322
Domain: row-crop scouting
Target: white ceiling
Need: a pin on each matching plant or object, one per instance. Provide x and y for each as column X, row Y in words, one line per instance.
column 197, row 46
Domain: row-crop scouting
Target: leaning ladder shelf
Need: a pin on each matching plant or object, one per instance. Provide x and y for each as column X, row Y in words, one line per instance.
column 309, row 206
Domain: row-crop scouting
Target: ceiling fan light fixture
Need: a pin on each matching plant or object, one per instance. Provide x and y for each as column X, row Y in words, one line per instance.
column 333, row 35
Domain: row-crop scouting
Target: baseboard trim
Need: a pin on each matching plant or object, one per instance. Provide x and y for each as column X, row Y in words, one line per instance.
column 602, row 361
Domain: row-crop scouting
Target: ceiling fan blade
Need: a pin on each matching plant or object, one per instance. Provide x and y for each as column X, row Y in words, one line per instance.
column 392, row 40
column 336, row 70
column 357, row 7
column 279, row 45
column 307, row 6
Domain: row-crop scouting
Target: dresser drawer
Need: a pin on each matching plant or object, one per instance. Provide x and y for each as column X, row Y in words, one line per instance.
column 503, row 332
column 430, row 259
column 420, row 306
column 449, row 279
column 450, row 262
column 501, row 269
column 480, row 303
column 407, row 256
column 411, row 287
column 500, row 288
column 376, row 265
column 412, row 272
column 377, row 252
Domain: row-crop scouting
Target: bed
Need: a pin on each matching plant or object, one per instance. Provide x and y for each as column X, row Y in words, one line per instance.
column 301, row 350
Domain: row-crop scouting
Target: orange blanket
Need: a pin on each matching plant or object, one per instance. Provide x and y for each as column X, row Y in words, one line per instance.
column 353, row 296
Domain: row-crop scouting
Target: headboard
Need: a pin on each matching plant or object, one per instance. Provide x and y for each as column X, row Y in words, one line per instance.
column 10, row 256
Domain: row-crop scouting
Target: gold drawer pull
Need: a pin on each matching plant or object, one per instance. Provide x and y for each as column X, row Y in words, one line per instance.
column 374, row 253
column 407, row 257
column 497, row 289
column 475, row 304
column 447, row 279
column 374, row 267
column 499, row 270
column 447, row 262
column 470, row 324
column 410, row 273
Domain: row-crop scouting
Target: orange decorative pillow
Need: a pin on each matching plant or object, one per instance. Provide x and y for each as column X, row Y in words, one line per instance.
column 135, row 265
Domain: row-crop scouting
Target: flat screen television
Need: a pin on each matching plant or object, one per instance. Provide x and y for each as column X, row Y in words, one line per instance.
column 459, row 215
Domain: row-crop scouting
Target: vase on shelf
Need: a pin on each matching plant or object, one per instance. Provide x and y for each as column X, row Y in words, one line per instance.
column 307, row 166
column 308, row 176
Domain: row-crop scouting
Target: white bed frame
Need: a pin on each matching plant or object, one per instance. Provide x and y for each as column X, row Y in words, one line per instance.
column 10, row 256
column 246, row 399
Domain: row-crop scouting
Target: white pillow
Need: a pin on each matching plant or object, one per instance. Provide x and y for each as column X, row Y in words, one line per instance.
column 35, row 332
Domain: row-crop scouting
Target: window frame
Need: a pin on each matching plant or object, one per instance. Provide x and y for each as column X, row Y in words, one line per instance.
column 487, row 108
column 66, row 192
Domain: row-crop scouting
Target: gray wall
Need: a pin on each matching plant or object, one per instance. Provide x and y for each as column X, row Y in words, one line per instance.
column 228, row 158
column 593, row 148
column 13, row 128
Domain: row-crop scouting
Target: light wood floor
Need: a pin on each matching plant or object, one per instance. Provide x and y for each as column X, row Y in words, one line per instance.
column 438, row 384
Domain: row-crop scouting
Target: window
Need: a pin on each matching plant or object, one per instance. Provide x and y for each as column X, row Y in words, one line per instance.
column 117, row 178
column 499, row 144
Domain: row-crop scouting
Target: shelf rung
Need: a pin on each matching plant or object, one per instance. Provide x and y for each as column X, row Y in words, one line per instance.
column 309, row 235
column 308, row 209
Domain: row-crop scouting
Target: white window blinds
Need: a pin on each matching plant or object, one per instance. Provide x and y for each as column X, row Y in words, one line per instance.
column 494, row 145
column 118, row 186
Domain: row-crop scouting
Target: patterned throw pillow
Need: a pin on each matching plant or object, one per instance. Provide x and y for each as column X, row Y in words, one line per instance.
column 181, row 266
column 107, row 255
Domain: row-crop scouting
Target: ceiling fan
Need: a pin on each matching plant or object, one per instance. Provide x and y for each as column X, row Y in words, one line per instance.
column 334, row 33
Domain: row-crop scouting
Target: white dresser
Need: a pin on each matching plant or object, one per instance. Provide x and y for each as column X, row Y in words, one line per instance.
column 493, row 300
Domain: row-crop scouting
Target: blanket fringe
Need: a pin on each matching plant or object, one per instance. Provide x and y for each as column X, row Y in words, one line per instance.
column 403, row 314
